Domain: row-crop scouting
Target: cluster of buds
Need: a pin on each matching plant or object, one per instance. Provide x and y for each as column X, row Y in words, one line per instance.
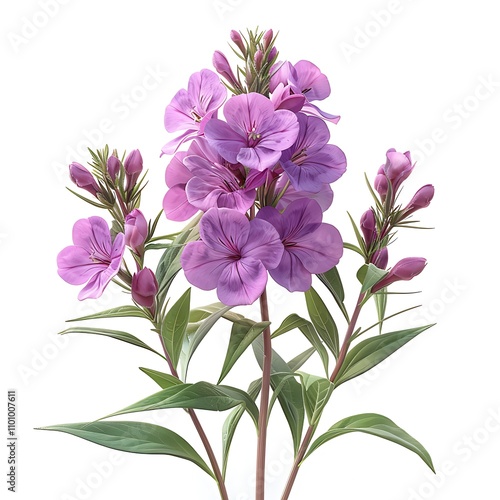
column 378, row 223
column 115, row 185
column 258, row 53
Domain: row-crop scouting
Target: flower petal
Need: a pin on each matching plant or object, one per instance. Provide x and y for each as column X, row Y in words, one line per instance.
column 263, row 244
column 291, row 274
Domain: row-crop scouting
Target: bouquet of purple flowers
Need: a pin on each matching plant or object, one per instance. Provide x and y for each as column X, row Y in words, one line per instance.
column 251, row 173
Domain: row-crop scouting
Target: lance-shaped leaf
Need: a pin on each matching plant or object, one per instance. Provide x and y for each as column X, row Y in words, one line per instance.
column 164, row 380
column 372, row 351
column 115, row 312
column 114, row 334
column 290, row 396
column 134, row 437
column 243, row 334
column 306, row 327
column 201, row 313
column 333, row 283
column 376, row 425
column 322, row 320
column 200, row 396
column 173, row 327
column 316, row 392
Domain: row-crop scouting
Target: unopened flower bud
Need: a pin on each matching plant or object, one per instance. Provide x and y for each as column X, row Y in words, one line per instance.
column 133, row 168
column 113, row 166
column 267, row 38
column 257, row 59
column 380, row 258
column 136, row 230
column 397, row 168
column 221, row 65
column 421, row 199
column 381, row 184
column 368, row 227
column 405, row 270
column 238, row 41
column 272, row 54
column 144, row 287
column 83, row 178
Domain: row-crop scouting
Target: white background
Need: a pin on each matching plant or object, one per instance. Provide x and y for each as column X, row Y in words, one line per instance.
column 407, row 74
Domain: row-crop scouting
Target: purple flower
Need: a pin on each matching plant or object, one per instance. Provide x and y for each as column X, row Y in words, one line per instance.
column 133, row 168
column 136, row 230
column 397, row 168
column 191, row 109
column 214, row 182
column 405, row 270
column 324, row 196
column 144, row 287
column 311, row 246
column 175, row 203
column 304, row 78
column 232, row 256
column 255, row 134
column 83, row 178
column 93, row 259
column 282, row 98
column 311, row 162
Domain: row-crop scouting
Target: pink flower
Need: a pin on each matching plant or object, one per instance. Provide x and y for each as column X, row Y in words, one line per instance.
column 83, row 178
column 136, row 230
column 93, row 259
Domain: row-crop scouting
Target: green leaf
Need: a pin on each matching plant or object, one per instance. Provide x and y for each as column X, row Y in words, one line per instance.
column 316, row 392
column 201, row 313
column 322, row 320
column 242, row 335
column 201, row 396
column 376, row 425
column 164, row 380
column 115, row 312
column 114, row 334
column 134, row 437
column 300, row 359
column 381, row 305
column 295, row 321
column 173, row 327
column 372, row 351
column 194, row 339
column 290, row 396
column 333, row 283
column 368, row 275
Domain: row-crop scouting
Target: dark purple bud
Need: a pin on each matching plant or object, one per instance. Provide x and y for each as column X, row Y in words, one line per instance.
column 368, row 227
column 257, row 59
column 83, row 178
column 405, row 270
column 144, row 287
column 221, row 65
column 113, row 165
column 136, row 230
column 267, row 39
column 421, row 199
column 380, row 258
column 133, row 168
column 272, row 54
column 238, row 41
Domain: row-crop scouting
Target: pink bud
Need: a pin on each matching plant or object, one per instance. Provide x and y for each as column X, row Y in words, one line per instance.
column 238, row 41
column 258, row 58
column 380, row 258
column 405, row 270
column 421, row 199
column 267, row 39
column 133, row 168
column 381, row 184
column 397, row 168
column 221, row 65
column 83, row 178
column 272, row 54
column 144, row 287
column 368, row 227
column 136, row 230
column 113, row 165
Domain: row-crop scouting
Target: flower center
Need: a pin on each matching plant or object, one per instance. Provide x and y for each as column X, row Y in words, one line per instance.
column 253, row 137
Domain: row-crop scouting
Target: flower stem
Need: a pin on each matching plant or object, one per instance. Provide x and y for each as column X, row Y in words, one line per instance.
column 264, row 401
column 310, row 431
column 204, row 439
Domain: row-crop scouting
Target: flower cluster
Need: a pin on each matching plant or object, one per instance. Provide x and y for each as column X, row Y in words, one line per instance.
column 261, row 176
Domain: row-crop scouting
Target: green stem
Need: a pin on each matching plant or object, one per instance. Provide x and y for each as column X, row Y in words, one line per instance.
column 310, row 431
column 264, row 401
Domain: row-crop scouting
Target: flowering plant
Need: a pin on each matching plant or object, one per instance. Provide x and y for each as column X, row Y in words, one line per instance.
column 254, row 186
